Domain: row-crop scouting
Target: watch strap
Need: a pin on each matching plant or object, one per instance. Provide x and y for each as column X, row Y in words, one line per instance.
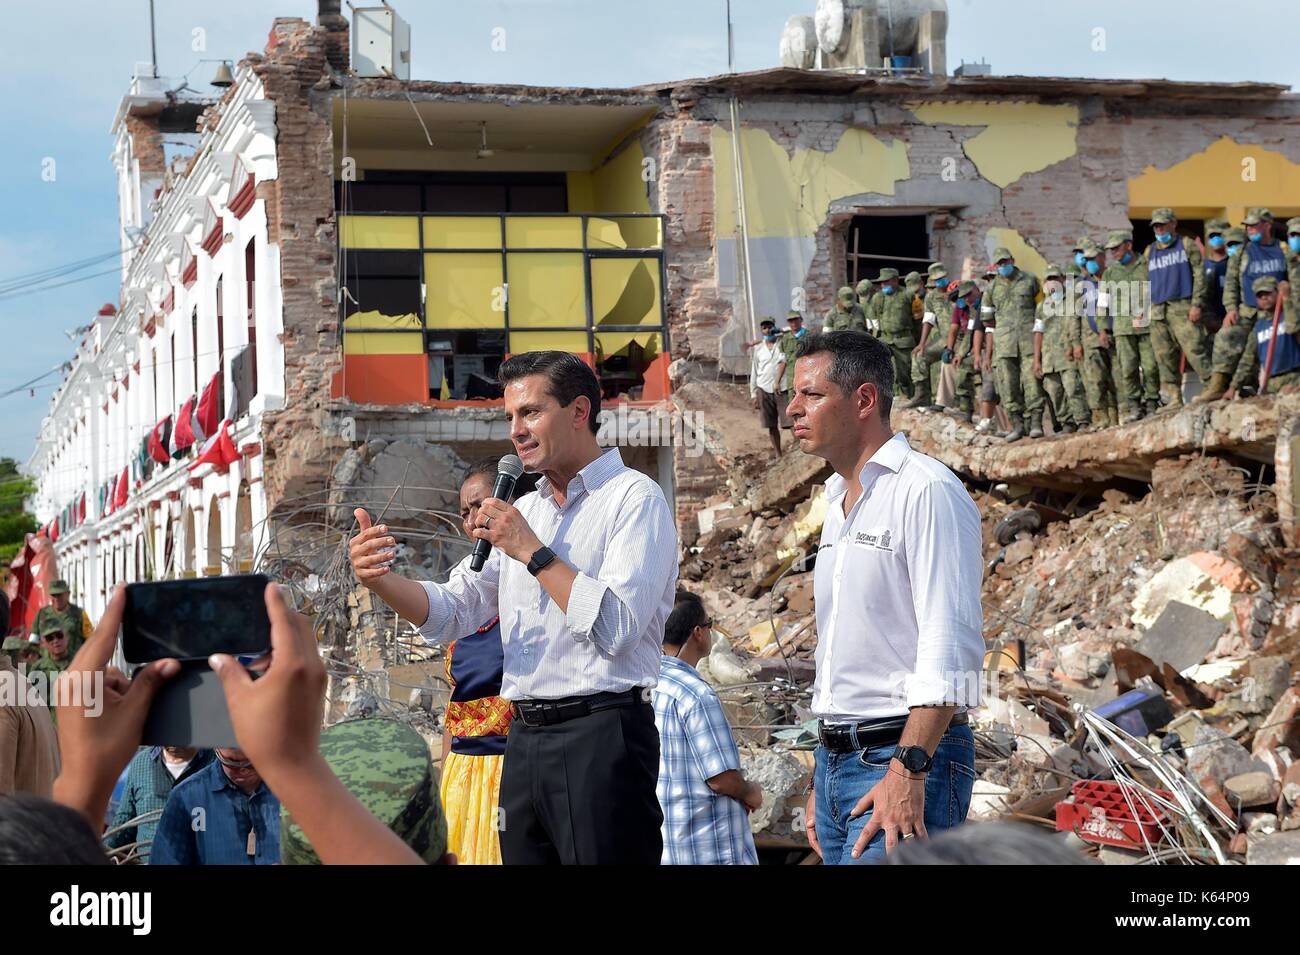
column 541, row 557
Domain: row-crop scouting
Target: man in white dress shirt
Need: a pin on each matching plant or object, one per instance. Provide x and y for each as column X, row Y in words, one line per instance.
column 583, row 572
column 899, row 623
column 766, row 368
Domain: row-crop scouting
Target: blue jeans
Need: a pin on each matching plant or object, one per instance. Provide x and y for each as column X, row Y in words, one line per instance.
column 842, row 779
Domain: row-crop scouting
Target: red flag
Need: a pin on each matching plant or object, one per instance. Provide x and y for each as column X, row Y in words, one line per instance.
column 54, row 530
column 183, row 433
column 158, row 440
column 219, row 450
column 209, row 414
column 123, row 488
column 82, row 517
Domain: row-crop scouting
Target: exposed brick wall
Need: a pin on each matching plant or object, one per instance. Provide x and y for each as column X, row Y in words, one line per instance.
column 146, row 147
column 300, row 209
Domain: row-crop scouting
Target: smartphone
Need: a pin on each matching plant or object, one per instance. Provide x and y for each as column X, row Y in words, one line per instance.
column 192, row 619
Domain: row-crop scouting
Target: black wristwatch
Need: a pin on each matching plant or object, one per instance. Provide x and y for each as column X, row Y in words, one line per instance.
column 541, row 557
column 914, row 758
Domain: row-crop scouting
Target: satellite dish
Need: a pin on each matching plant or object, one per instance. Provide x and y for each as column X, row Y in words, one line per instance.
column 830, row 21
column 799, row 43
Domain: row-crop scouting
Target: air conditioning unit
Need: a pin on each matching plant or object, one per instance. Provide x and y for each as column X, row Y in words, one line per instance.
column 381, row 43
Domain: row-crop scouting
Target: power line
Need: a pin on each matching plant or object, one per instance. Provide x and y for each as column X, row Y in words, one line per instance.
column 35, row 288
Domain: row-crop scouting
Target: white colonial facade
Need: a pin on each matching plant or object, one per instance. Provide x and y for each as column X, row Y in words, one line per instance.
column 200, row 298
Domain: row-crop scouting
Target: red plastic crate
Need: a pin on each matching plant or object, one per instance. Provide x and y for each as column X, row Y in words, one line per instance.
column 1098, row 812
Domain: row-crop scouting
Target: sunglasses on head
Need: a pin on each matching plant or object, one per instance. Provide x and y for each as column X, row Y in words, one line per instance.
column 233, row 763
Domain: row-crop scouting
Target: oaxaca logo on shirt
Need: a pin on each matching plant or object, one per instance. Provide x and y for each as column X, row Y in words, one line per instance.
column 879, row 538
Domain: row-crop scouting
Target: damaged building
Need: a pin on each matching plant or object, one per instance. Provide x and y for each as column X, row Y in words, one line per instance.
column 375, row 246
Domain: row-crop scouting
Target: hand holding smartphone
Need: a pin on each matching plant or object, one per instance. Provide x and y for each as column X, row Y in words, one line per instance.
column 189, row 620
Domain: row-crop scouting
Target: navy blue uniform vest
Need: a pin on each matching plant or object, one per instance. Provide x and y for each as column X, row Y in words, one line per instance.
column 1170, row 273
column 1216, row 273
column 1261, row 260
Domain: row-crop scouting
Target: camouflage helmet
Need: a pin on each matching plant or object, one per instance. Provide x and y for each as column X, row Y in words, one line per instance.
column 1265, row 283
column 14, row 643
column 1163, row 216
column 387, row 766
column 845, row 294
column 1090, row 249
column 864, row 288
column 913, row 280
column 1257, row 215
column 57, row 587
column 1117, row 238
column 1293, row 225
column 53, row 626
column 886, row 275
column 1053, row 271
column 1217, row 227
column 1082, row 241
column 966, row 287
column 1235, row 234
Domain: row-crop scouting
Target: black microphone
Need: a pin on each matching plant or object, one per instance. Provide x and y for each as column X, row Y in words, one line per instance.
column 508, row 471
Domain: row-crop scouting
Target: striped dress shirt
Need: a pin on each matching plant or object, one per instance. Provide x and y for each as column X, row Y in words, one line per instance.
column 617, row 531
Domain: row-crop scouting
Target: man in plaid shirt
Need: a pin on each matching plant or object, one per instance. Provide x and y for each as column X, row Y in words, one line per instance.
column 705, row 798
column 150, row 779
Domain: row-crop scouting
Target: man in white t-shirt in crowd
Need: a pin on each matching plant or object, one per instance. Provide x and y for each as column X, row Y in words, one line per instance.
column 767, row 364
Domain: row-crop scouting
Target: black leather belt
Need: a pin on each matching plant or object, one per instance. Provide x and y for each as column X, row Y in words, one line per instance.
column 854, row 737
column 550, row 712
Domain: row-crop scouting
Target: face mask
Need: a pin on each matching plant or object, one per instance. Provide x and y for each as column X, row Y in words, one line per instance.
column 1092, row 266
column 1057, row 296
column 1216, row 242
column 888, row 290
column 961, row 301
column 800, row 332
column 1079, row 259
column 769, row 337
column 1294, row 242
column 1006, row 270
column 1233, row 249
column 1126, row 258
column 1164, row 238
column 1256, row 237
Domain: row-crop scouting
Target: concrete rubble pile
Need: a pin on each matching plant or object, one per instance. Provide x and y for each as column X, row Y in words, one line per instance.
column 1142, row 644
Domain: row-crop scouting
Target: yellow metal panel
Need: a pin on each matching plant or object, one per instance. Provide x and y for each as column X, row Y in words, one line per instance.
column 625, row 292
column 649, row 345
column 546, row 289
column 373, row 319
column 462, row 232
column 575, row 342
column 378, row 343
column 464, row 290
column 379, row 232
column 544, row 232
column 625, row 233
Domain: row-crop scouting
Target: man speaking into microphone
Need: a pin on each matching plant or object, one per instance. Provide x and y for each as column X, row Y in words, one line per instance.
column 582, row 572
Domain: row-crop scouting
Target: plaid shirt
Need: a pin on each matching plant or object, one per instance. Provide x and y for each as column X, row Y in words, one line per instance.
column 701, row 827
column 148, row 784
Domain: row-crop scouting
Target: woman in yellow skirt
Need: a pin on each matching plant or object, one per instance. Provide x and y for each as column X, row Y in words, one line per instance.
column 478, row 717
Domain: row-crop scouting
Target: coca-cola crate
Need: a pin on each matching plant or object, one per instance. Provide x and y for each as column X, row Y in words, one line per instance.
column 1098, row 812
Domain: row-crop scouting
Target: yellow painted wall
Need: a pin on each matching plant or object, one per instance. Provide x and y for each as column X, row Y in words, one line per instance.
column 791, row 195
column 614, row 186
column 1019, row 138
column 1210, row 184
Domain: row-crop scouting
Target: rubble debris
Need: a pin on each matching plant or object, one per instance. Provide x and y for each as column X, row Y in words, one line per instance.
column 1182, row 635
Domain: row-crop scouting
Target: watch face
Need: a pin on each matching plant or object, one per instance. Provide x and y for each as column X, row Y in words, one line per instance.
column 914, row 759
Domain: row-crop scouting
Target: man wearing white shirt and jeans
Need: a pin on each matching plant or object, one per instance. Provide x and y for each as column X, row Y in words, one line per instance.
column 766, row 367
column 899, row 623
column 583, row 572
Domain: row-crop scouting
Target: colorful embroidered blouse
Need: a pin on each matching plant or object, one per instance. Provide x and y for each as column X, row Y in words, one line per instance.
column 478, row 718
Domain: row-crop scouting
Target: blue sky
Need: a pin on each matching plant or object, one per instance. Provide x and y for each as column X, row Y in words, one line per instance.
column 66, row 64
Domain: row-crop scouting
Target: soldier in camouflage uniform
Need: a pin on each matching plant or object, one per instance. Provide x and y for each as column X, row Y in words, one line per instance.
column 386, row 765
column 789, row 344
column 74, row 621
column 1214, row 266
column 1056, row 336
column 866, row 292
column 935, row 307
column 1123, row 299
column 846, row 315
column 14, row 648
column 1011, row 301
column 964, row 343
column 1177, row 285
column 1098, row 343
column 1284, row 366
column 891, row 312
column 1236, row 364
